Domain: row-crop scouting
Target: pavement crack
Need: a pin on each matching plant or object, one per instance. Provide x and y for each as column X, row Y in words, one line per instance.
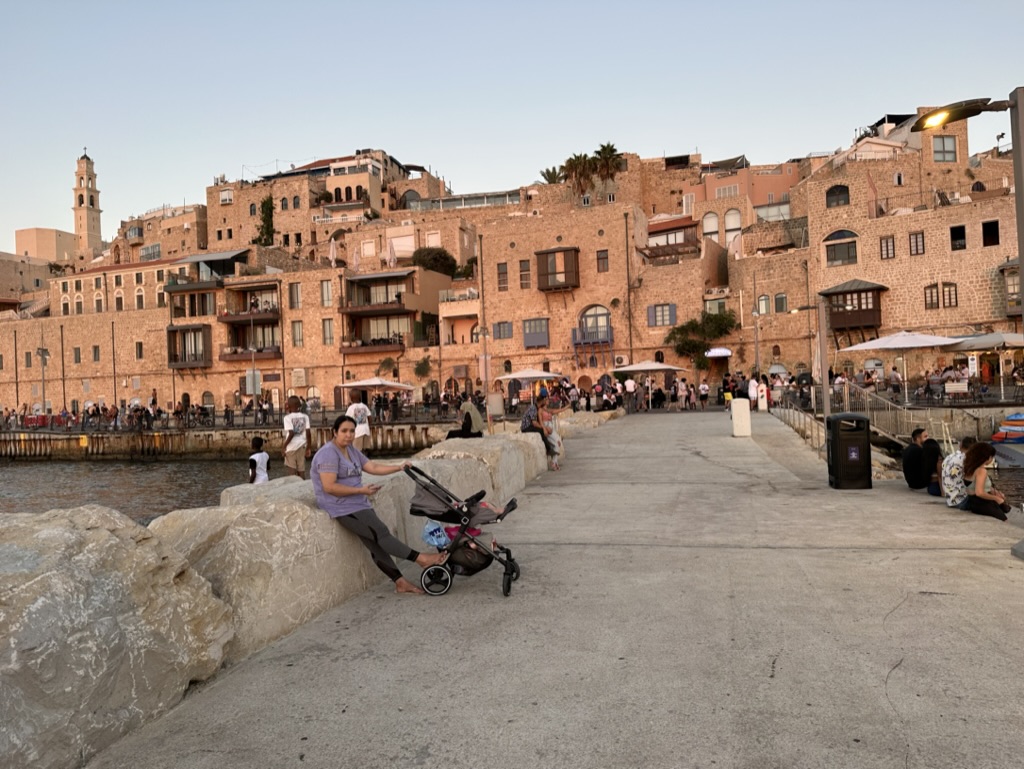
column 894, row 608
column 903, row 723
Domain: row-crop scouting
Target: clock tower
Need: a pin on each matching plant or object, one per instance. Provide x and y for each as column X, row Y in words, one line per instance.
column 87, row 208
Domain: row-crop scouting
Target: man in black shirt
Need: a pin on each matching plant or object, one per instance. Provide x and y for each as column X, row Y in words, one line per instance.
column 914, row 469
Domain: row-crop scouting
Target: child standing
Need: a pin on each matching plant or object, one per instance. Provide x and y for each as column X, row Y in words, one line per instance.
column 259, row 462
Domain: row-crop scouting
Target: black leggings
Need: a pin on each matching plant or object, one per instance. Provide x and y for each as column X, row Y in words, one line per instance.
column 989, row 507
column 378, row 540
column 547, row 444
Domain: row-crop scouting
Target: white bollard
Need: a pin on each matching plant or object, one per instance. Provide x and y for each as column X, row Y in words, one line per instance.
column 740, row 411
column 762, row 398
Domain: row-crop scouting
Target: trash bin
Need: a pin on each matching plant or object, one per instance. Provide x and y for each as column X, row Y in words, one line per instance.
column 720, row 398
column 848, row 451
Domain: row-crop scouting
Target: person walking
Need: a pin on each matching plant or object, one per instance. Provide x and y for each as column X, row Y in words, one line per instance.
column 297, row 439
column 361, row 415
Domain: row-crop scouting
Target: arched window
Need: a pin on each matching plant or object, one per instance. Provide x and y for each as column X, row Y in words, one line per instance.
column 732, row 224
column 295, row 202
column 359, row 192
column 781, row 303
column 841, row 248
column 208, row 399
column 776, row 351
column 977, row 187
column 837, row 196
column 252, row 209
column 81, row 181
column 140, row 299
column 709, row 226
column 474, row 333
column 65, row 306
column 764, row 304
column 81, row 200
column 595, row 324
column 97, row 301
column 659, row 356
column 592, row 361
column 78, row 304
column 337, row 194
column 284, row 204
column 897, row 179
column 507, row 366
column 348, row 194
column 118, row 301
column 92, row 202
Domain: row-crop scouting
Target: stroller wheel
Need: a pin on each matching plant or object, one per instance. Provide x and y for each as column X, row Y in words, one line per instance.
column 436, row 580
column 515, row 570
column 506, row 583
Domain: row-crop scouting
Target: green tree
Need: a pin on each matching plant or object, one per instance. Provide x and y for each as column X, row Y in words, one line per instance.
column 423, row 368
column 386, row 366
column 435, row 259
column 265, row 237
column 552, row 175
column 607, row 162
column 693, row 338
column 578, row 171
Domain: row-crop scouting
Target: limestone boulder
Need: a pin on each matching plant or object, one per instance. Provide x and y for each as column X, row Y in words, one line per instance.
column 278, row 562
column 510, row 459
column 255, row 493
column 102, row 628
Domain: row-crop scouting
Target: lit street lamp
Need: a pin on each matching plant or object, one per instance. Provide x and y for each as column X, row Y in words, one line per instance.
column 962, row 110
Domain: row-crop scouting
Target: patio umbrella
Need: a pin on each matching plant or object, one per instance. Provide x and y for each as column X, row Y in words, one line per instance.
column 647, row 367
column 718, row 352
column 377, row 383
column 998, row 340
column 530, row 375
column 902, row 340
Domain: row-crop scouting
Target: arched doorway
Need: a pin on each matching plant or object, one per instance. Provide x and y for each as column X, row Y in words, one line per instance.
column 585, row 383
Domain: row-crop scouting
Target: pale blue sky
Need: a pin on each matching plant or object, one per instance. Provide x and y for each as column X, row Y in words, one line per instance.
column 168, row 95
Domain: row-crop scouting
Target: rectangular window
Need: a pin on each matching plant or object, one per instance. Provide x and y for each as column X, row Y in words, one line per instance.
column 118, row 303
column 159, row 276
column 286, row 240
column 78, row 306
column 990, row 233
column 28, row 360
column 602, row 260
column 161, row 299
column 887, row 247
column 229, row 233
column 687, row 204
column 138, row 279
column 325, row 293
column 841, row 253
column 535, row 333
column 916, row 243
column 503, row 330
column 138, row 351
column 298, row 238
column 524, row 273
column 1, row 362
column 149, row 253
column 297, row 333
column 611, row 197
column 95, row 353
column 76, row 354
column 64, row 286
column 294, row 296
column 118, row 281
column 586, row 200
column 327, row 327
column 502, row 276
column 140, row 302
column 944, row 149
column 78, row 285
column 771, row 198
column 220, row 235
column 957, row 237
column 226, row 196
column 931, row 297
column 97, row 282
column 949, row 295
column 661, row 315
column 729, row 191
column 98, row 304
column 781, row 303
column 714, row 306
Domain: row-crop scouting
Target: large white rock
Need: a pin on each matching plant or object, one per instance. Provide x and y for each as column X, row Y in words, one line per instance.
column 510, row 459
column 102, row 627
column 278, row 563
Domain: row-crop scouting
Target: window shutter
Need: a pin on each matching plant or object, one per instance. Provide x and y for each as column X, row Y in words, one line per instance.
column 494, row 331
column 650, row 315
column 671, row 315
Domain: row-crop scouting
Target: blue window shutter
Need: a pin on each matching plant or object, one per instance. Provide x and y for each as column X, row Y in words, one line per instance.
column 671, row 315
column 650, row 315
column 494, row 330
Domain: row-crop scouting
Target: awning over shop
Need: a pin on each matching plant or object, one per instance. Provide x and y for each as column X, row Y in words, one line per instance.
column 367, row 276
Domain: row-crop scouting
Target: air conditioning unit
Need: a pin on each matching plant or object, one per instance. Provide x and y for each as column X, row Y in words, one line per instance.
column 406, row 222
column 621, row 360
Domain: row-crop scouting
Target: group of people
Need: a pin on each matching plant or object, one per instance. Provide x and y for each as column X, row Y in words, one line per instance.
column 963, row 477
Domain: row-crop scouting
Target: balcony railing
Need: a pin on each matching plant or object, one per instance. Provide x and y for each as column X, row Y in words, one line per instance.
column 189, row 360
column 592, row 336
column 842, row 320
column 240, row 353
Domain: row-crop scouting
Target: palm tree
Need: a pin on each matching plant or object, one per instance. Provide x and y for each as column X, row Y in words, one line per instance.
column 607, row 162
column 578, row 171
column 552, row 175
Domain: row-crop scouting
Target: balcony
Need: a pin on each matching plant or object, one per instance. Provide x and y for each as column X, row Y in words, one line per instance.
column 363, row 309
column 237, row 353
column 461, row 304
column 189, row 360
column 263, row 315
column 841, row 320
column 181, row 284
column 388, row 344
column 592, row 336
column 558, row 269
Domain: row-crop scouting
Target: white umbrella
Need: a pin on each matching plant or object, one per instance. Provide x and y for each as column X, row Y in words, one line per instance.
column 718, row 352
column 530, row 375
column 377, row 383
column 998, row 340
column 647, row 367
column 902, row 340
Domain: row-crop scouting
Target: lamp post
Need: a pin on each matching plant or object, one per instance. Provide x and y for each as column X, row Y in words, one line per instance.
column 43, row 354
column 757, row 343
column 820, row 308
column 962, row 110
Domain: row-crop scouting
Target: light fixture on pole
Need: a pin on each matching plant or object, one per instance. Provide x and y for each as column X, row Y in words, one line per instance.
column 757, row 343
column 43, row 354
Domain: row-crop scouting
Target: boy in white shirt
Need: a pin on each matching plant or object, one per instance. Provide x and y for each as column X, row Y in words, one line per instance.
column 259, row 463
column 296, row 438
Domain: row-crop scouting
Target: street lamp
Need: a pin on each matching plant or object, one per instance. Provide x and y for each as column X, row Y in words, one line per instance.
column 826, row 399
column 962, row 110
column 757, row 343
column 43, row 355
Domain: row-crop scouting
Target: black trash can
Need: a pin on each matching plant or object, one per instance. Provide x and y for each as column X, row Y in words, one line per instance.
column 848, row 451
column 720, row 398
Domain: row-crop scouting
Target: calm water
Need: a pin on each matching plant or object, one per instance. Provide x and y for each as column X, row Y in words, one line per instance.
column 140, row 490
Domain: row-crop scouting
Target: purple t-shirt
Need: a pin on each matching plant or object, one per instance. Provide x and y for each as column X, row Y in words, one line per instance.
column 329, row 459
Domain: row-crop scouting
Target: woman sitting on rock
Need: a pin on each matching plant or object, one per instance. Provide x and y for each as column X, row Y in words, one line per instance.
column 336, row 472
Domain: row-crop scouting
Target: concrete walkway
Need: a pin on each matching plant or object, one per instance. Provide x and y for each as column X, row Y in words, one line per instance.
column 688, row 599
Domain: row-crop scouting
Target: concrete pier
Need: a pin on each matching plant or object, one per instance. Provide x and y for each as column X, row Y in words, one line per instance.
column 688, row 599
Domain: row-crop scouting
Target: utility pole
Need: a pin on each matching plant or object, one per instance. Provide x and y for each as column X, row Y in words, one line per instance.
column 629, row 288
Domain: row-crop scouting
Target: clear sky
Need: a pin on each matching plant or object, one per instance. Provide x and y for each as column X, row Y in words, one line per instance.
column 168, row 95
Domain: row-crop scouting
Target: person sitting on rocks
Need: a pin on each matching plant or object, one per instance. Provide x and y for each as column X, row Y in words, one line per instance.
column 914, row 471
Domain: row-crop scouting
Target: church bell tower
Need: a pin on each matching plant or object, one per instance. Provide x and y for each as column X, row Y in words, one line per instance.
column 87, row 208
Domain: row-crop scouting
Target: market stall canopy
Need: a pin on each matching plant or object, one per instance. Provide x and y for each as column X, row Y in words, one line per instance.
column 376, row 383
column 530, row 375
column 646, row 366
column 999, row 340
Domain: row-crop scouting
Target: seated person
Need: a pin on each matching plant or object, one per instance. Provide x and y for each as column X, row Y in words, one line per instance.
column 953, row 485
column 932, row 461
column 982, row 497
column 914, row 471
column 472, row 422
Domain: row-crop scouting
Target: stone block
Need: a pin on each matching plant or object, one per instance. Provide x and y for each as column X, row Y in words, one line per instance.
column 739, row 411
column 103, row 625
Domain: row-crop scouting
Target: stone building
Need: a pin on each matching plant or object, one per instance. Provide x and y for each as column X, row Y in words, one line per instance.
column 160, row 233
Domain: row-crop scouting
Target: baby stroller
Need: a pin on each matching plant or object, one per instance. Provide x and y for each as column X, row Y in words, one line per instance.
column 467, row 554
